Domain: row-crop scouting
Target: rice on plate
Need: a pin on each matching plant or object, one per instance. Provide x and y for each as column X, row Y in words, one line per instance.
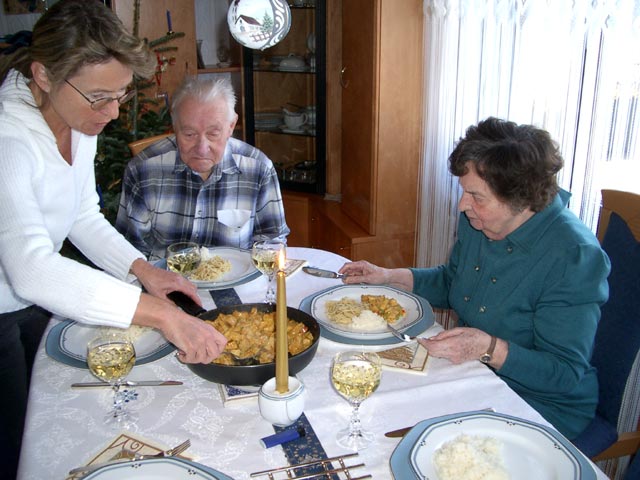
column 470, row 457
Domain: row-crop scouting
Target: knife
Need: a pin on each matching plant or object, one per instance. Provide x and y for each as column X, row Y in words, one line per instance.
column 129, row 383
column 401, row 432
column 319, row 272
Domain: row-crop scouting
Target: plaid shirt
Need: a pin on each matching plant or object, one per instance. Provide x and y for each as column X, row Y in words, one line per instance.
column 163, row 201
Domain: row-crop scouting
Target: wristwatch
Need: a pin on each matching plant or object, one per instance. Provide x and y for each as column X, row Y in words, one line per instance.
column 488, row 355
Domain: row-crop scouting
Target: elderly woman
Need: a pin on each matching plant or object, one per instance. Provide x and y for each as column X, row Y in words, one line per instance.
column 525, row 277
column 56, row 96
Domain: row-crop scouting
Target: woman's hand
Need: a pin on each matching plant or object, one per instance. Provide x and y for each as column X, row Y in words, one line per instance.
column 464, row 344
column 159, row 282
column 197, row 341
column 365, row 272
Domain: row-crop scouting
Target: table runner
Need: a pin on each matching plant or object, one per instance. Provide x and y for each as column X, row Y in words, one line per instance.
column 225, row 297
column 305, row 449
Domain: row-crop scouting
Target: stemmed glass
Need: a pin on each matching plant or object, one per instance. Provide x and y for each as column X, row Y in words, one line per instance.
column 111, row 357
column 264, row 255
column 183, row 257
column 355, row 375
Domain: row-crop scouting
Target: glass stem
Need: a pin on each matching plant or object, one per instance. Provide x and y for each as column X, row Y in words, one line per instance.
column 118, row 401
column 355, row 427
column 271, row 294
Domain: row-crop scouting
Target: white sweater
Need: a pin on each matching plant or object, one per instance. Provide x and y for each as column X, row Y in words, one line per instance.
column 44, row 200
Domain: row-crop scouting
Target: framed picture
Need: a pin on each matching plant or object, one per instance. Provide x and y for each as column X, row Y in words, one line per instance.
column 16, row 7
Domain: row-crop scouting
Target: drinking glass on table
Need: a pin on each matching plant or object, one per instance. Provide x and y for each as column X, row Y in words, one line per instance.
column 183, row 257
column 264, row 255
column 355, row 375
column 111, row 357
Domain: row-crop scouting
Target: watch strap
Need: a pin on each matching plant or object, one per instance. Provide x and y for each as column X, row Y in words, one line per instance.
column 488, row 355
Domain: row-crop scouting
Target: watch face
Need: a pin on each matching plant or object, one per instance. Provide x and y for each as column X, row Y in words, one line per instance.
column 486, row 358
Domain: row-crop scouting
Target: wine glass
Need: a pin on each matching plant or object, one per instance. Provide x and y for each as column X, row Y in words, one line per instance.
column 111, row 357
column 355, row 375
column 183, row 257
column 264, row 255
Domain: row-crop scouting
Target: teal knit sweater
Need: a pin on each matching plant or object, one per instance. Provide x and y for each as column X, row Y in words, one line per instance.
column 540, row 289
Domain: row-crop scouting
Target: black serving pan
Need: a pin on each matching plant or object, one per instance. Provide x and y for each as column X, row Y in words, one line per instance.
column 248, row 374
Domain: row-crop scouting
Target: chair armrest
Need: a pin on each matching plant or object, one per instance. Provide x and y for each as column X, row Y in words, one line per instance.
column 628, row 443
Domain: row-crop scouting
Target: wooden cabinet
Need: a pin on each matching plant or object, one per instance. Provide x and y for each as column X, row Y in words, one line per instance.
column 381, row 114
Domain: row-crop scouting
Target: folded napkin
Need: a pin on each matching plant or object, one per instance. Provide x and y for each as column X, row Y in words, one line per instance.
column 125, row 445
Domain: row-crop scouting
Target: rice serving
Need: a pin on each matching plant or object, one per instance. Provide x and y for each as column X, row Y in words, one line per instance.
column 367, row 320
column 469, row 457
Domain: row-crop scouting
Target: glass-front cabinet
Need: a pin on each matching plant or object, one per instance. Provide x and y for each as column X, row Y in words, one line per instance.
column 285, row 92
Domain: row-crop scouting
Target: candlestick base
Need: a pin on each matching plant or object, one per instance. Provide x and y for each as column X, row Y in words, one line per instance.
column 282, row 409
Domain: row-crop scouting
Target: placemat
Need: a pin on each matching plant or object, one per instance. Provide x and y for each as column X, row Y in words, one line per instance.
column 305, row 449
column 225, row 297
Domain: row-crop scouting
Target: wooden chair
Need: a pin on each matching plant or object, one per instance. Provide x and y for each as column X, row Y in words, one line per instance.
column 137, row 146
column 618, row 339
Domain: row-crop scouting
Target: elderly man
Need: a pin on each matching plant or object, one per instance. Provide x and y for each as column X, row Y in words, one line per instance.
column 200, row 185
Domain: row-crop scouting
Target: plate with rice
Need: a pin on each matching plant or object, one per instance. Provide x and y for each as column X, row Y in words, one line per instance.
column 362, row 312
column 487, row 446
column 221, row 267
column 67, row 343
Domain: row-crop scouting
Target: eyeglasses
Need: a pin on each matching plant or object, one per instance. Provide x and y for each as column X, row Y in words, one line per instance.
column 101, row 103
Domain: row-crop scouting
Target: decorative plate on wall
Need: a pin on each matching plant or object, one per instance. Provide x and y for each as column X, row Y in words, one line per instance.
column 259, row 24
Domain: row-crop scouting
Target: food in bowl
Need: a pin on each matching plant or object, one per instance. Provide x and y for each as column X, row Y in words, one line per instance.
column 252, row 334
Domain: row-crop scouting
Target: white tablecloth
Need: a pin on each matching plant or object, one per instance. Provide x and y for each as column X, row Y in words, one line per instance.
column 64, row 426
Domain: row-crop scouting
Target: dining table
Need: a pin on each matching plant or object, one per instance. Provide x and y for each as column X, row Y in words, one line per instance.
column 64, row 425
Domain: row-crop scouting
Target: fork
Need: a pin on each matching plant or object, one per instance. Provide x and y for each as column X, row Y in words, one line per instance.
column 177, row 450
column 402, row 336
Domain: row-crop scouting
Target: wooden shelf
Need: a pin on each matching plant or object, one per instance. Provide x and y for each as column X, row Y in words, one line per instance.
column 214, row 69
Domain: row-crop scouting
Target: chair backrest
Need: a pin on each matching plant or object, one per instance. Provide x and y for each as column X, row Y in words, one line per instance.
column 626, row 205
column 618, row 337
column 137, row 146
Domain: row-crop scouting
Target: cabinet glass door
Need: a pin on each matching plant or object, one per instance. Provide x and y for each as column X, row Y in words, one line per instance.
column 285, row 100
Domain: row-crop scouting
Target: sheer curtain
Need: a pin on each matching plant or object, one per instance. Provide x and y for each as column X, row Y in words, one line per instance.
column 571, row 67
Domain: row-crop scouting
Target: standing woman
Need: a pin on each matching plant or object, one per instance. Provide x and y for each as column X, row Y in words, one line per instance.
column 56, row 96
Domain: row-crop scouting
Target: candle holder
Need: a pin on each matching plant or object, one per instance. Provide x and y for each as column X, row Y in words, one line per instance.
column 282, row 409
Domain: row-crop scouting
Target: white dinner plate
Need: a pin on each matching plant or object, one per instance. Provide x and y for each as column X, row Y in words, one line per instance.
column 67, row 343
column 530, row 451
column 410, row 303
column 167, row 468
column 242, row 268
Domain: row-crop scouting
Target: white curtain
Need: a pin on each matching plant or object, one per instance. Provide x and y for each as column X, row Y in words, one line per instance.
column 571, row 67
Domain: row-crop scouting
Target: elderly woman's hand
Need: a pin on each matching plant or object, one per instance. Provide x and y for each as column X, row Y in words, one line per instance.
column 463, row 344
column 365, row 272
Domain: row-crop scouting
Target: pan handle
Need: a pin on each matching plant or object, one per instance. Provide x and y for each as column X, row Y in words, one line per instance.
column 186, row 303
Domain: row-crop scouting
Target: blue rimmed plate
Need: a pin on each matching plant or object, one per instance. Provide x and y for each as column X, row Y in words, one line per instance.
column 242, row 268
column 419, row 315
column 530, row 451
column 167, row 468
column 67, row 343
